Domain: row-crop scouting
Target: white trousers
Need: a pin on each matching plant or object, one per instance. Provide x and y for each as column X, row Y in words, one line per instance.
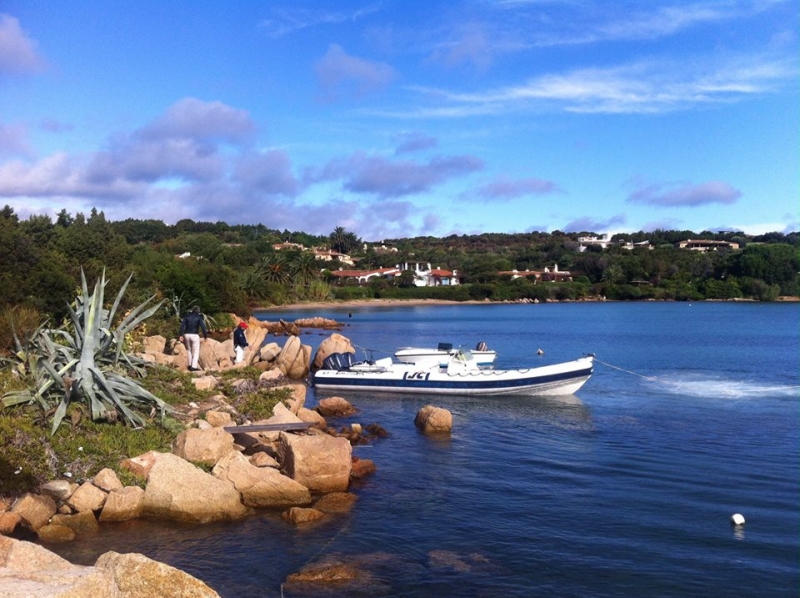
column 239, row 352
column 192, row 342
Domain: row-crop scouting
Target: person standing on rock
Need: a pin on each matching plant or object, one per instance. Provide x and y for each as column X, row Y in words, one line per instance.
column 240, row 341
column 191, row 326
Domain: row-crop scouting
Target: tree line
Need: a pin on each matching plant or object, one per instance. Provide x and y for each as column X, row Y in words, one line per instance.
column 235, row 268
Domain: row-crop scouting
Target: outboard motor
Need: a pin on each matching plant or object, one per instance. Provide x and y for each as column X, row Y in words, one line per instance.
column 347, row 360
column 333, row 362
column 482, row 346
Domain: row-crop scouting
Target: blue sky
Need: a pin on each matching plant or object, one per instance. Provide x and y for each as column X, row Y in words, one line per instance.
column 405, row 118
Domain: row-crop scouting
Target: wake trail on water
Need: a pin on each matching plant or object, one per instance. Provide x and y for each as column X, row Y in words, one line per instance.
column 699, row 385
column 704, row 386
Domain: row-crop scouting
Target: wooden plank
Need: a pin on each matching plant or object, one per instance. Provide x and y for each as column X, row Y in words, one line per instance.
column 285, row 427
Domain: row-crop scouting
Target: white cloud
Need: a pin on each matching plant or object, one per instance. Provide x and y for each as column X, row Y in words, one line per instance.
column 18, row 52
column 339, row 73
column 649, row 86
column 685, row 195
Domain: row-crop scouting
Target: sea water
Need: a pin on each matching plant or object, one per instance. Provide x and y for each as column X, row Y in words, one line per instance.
column 626, row 489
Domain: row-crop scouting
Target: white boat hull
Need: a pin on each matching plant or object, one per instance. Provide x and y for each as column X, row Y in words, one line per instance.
column 557, row 379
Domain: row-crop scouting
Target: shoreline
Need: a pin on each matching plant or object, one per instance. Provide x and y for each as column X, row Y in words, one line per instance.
column 353, row 303
column 369, row 303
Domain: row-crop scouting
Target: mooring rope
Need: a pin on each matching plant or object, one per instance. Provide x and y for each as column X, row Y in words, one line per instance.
column 615, row 367
column 327, row 544
column 369, row 352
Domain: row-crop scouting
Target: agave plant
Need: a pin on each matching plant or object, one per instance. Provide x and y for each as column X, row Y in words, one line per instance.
column 85, row 361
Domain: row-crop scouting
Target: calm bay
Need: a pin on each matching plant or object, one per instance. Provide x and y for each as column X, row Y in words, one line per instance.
column 692, row 415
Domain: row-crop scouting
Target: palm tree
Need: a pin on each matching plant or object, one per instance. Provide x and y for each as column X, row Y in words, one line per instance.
column 305, row 269
column 338, row 239
column 273, row 269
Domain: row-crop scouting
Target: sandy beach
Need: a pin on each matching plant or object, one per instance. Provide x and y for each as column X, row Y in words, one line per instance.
column 416, row 302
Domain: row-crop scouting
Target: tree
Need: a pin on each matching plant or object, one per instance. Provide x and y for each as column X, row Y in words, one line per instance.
column 343, row 241
column 305, row 269
column 274, row 269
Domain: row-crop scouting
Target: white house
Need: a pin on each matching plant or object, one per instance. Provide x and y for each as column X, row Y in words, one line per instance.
column 602, row 241
column 425, row 276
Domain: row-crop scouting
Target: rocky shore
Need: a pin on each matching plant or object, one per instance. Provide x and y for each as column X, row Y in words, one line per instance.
column 218, row 470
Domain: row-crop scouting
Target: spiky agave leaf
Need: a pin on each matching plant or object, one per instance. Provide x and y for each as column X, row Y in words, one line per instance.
column 137, row 315
column 128, row 388
column 129, row 416
column 83, row 352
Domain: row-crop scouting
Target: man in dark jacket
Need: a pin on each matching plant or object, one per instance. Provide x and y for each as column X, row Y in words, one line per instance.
column 191, row 326
column 240, row 341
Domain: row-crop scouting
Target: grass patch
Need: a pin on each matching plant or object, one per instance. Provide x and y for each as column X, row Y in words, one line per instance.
column 172, row 386
column 259, row 404
column 26, row 460
column 31, row 457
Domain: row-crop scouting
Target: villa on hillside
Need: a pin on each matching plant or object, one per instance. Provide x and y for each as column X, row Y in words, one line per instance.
column 287, row 245
column 706, row 245
column 365, row 276
column 328, row 255
column 640, row 245
column 546, row 275
column 424, row 275
column 602, row 241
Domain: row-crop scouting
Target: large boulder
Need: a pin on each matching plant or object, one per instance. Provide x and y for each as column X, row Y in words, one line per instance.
column 59, row 490
column 335, row 407
column 335, row 343
column 294, row 359
column 219, row 419
column 255, row 338
column 124, row 504
column 87, row 497
column 27, row 569
column 53, row 533
column 312, row 417
column 9, row 522
column 320, row 463
column 261, row 486
column 154, row 345
column 136, row 576
column 434, row 420
column 281, row 414
column 269, row 352
column 34, row 510
column 140, row 466
column 178, row 490
column 298, row 398
column 223, row 353
column 106, row 479
column 80, row 523
column 301, row 516
column 208, row 354
column 203, row 446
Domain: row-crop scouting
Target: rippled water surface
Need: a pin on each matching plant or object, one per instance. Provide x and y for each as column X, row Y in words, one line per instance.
column 624, row 490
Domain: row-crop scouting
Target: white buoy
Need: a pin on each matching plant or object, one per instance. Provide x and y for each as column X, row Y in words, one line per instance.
column 737, row 519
